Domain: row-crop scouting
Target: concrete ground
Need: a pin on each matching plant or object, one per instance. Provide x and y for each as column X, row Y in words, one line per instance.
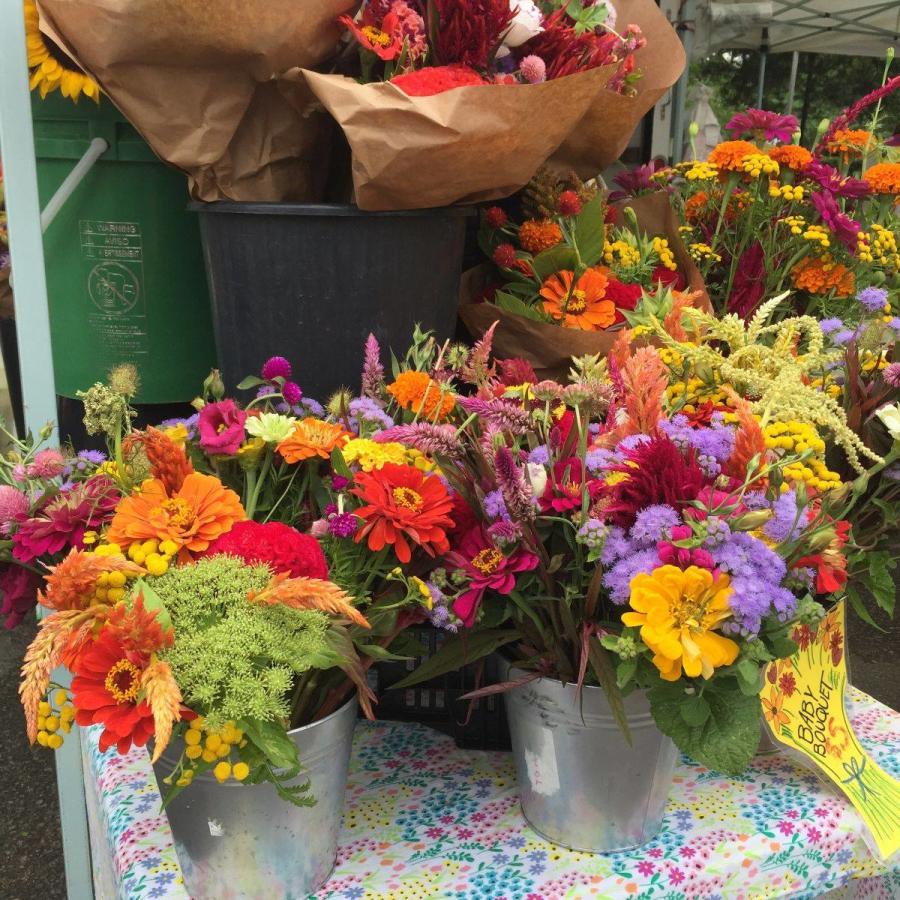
column 31, row 861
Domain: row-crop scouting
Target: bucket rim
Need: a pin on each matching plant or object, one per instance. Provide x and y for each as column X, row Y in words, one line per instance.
column 342, row 710
column 324, row 210
column 547, row 678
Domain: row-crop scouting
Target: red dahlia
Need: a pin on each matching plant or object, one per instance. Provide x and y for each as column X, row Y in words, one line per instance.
column 282, row 548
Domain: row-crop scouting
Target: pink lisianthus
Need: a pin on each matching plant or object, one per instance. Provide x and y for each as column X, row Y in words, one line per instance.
column 61, row 524
column 763, row 125
column 221, row 427
column 18, row 587
column 487, row 568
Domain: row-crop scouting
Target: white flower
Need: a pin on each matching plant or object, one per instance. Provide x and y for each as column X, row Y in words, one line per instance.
column 537, row 478
column 890, row 416
column 271, row 427
column 527, row 22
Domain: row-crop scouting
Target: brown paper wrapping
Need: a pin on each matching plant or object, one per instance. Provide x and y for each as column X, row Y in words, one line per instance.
column 550, row 348
column 462, row 146
column 198, row 81
column 602, row 135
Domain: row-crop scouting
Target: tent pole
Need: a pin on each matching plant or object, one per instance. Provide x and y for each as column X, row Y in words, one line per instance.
column 763, row 55
column 685, row 29
column 792, row 82
column 36, row 362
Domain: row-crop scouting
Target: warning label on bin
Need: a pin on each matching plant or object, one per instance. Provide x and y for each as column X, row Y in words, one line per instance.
column 113, row 259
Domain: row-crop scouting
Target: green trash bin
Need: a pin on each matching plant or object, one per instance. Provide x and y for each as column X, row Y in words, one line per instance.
column 125, row 272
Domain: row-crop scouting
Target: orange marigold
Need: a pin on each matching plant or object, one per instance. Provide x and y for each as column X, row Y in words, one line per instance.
column 884, row 178
column 821, row 275
column 849, row 142
column 791, row 156
column 191, row 517
column 693, row 208
column 312, row 437
column 419, row 392
column 535, row 236
column 729, row 155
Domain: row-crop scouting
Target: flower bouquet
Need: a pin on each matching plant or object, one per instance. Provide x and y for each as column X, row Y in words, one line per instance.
column 765, row 215
column 568, row 273
column 482, row 92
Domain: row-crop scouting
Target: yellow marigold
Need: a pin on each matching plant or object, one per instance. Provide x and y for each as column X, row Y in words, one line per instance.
column 678, row 611
column 791, row 156
column 369, row 455
column 419, row 392
column 535, row 236
column 884, row 178
column 821, row 274
column 729, row 155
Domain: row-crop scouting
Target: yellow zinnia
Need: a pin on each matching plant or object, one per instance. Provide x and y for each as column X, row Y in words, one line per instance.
column 677, row 611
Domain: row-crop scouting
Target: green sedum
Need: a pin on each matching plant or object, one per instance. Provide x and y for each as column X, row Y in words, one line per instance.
column 234, row 659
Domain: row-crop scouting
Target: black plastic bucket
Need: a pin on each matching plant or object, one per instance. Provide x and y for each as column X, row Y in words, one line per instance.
column 311, row 281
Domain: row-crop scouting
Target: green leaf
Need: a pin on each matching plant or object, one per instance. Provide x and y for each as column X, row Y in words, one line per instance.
column 859, row 607
column 601, row 663
column 881, row 581
column 339, row 465
column 376, row 651
column 694, row 710
column 748, row 676
column 152, row 601
column 590, row 234
column 273, row 742
column 251, row 381
column 782, row 646
column 625, row 671
column 519, row 307
column 553, row 259
column 726, row 740
column 457, row 652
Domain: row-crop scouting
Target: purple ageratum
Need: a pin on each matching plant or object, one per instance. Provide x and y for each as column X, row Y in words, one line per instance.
column 843, row 337
column 653, row 524
column 787, row 521
column 617, row 580
column 540, row 456
column 276, row 367
column 872, row 299
column 845, row 229
column 713, row 444
column 596, row 460
column 617, row 545
column 829, row 326
column 495, row 506
column 763, row 125
column 365, row 409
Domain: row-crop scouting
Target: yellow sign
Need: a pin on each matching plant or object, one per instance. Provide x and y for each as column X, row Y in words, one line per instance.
column 803, row 703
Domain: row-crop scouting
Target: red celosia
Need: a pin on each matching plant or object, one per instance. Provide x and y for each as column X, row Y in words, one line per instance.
column 487, row 568
column 436, row 79
column 516, row 371
column 668, row 278
column 469, row 31
column 655, row 471
column 625, row 296
column 105, row 692
column 852, row 112
column 282, row 548
column 403, row 506
column 19, row 592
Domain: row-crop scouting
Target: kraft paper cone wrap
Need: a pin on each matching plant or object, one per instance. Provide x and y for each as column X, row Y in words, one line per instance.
column 199, row 81
column 550, row 348
column 465, row 145
column 602, row 135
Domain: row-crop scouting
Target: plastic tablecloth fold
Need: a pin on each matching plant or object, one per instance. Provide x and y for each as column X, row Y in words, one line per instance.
column 425, row 819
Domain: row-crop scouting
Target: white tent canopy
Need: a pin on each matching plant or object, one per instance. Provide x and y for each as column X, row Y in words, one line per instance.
column 845, row 27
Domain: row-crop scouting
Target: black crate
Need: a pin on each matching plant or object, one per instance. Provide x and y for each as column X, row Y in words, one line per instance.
column 479, row 724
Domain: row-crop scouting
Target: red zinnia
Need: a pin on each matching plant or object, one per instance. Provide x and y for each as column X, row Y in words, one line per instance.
column 402, row 504
column 282, row 548
column 486, row 568
column 105, row 692
column 564, row 490
column 384, row 42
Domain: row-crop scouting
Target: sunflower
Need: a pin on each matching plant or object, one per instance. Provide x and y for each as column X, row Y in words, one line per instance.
column 677, row 611
column 402, row 505
column 192, row 517
column 51, row 69
column 579, row 304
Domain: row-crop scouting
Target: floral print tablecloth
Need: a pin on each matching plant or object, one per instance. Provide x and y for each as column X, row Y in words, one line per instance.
column 425, row 819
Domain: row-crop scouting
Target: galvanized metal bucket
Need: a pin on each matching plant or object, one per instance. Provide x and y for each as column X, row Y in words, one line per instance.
column 581, row 784
column 244, row 841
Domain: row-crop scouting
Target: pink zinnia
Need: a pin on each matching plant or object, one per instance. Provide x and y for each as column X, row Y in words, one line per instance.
column 221, row 427
column 845, row 229
column 487, row 568
column 828, row 178
column 763, row 125
column 62, row 523
column 46, row 464
column 14, row 505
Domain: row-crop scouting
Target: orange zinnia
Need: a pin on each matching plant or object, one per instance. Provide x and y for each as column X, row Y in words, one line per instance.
column 819, row 275
column 536, row 236
column 420, row 393
column 729, row 155
column 579, row 304
column 312, row 437
column 192, row 517
column 884, row 178
column 791, row 156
